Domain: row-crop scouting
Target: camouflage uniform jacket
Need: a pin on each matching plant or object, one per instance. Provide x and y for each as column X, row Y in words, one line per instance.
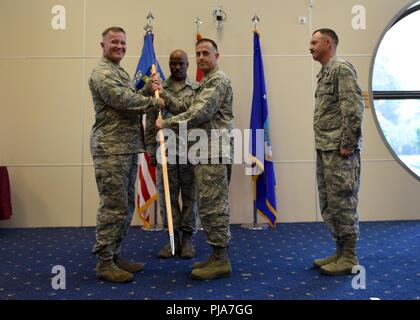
column 118, row 109
column 211, row 108
column 184, row 93
column 339, row 107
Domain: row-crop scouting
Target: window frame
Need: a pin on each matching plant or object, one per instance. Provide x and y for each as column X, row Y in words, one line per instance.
column 392, row 95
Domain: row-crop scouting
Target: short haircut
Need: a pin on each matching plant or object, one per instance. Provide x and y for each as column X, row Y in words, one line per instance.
column 179, row 51
column 113, row 29
column 207, row 40
column 330, row 33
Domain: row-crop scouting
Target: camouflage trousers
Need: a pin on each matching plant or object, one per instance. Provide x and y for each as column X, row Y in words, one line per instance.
column 181, row 181
column 212, row 182
column 115, row 178
column 338, row 180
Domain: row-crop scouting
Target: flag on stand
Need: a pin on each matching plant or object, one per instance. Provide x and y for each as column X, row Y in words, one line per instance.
column 260, row 144
column 147, row 193
column 199, row 74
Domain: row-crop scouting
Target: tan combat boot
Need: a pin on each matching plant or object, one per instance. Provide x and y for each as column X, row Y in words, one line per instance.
column 127, row 266
column 318, row 263
column 188, row 250
column 107, row 270
column 345, row 262
column 218, row 267
column 202, row 264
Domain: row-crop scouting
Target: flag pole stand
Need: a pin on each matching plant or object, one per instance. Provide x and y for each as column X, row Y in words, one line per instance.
column 155, row 226
column 254, row 225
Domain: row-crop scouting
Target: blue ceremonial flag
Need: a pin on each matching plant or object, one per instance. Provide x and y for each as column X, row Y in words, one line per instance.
column 147, row 58
column 260, row 143
column 146, row 193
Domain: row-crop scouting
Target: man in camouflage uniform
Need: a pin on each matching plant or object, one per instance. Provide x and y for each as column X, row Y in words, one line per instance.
column 181, row 173
column 115, row 142
column 210, row 111
column 337, row 123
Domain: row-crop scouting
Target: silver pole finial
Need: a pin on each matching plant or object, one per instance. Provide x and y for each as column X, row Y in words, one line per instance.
column 149, row 26
column 198, row 22
column 255, row 20
column 150, row 17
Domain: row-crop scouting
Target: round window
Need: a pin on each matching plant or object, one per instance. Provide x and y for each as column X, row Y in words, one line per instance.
column 395, row 88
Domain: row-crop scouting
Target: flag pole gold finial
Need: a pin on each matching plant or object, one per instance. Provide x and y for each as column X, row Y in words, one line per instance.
column 149, row 25
column 198, row 22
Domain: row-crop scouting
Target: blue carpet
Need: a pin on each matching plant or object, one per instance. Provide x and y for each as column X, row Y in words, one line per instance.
column 273, row 264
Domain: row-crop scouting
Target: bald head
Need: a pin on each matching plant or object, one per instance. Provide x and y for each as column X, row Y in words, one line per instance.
column 178, row 53
column 178, row 63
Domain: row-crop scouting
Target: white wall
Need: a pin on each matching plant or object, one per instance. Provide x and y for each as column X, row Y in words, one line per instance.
column 47, row 113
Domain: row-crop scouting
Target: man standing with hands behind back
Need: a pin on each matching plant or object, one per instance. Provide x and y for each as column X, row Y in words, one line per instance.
column 338, row 117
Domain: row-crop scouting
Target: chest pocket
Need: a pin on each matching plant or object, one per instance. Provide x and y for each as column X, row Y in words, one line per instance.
column 325, row 88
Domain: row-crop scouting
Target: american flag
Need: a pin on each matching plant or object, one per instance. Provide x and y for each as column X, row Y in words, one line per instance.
column 146, row 193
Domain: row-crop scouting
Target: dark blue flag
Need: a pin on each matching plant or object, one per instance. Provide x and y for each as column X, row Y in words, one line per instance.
column 147, row 176
column 147, row 58
column 260, row 143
